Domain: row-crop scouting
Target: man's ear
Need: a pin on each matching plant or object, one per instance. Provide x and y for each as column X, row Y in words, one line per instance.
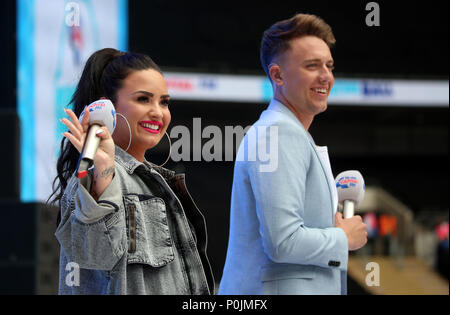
column 275, row 74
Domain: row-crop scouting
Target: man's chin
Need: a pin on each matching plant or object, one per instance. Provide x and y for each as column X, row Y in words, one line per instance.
column 320, row 108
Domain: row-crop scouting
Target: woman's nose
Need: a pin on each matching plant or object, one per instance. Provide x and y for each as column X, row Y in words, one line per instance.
column 156, row 111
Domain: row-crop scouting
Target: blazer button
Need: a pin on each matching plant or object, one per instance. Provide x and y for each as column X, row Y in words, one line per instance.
column 333, row 263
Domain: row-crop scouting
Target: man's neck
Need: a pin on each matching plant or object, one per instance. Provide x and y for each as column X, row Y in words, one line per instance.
column 305, row 120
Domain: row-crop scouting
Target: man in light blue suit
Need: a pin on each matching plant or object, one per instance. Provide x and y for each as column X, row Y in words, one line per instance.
column 286, row 236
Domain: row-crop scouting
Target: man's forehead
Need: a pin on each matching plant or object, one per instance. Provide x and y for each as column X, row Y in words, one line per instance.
column 309, row 48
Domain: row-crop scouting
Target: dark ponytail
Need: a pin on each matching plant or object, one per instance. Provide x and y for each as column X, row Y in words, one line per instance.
column 102, row 76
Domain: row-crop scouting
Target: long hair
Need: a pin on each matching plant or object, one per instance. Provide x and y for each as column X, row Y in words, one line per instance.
column 102, row 76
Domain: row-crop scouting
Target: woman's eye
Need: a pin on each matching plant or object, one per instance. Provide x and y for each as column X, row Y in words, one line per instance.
column 142, row 99
column 165, row 102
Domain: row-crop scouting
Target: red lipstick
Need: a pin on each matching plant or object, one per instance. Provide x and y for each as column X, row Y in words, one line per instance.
column 151, row 126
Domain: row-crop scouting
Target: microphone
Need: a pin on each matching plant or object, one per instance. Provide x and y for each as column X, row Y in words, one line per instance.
column 350, row 188
column 101, row 113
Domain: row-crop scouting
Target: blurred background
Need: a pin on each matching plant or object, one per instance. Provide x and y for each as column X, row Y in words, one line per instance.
column 387, row 118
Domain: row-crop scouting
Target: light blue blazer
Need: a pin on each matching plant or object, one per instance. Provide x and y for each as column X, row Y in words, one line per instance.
column 282, row 235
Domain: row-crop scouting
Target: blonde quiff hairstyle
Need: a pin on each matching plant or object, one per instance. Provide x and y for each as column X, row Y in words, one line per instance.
column 276, row 38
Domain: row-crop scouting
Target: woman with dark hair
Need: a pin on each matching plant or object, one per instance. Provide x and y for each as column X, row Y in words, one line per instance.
column 136, row 229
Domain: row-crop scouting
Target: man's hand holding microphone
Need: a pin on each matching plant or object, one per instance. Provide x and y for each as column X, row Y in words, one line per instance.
column 350, row 187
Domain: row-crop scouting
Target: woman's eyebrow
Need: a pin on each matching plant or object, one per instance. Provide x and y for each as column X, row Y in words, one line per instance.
column 143, row 92
column 150, row 94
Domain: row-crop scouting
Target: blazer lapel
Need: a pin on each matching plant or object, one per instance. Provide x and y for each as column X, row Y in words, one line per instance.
column 278, row 106
column 324, row 171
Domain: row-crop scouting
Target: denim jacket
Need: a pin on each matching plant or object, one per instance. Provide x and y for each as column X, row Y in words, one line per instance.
column 144, row 235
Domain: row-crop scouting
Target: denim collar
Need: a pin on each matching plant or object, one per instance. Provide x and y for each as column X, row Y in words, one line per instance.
column 130, row 164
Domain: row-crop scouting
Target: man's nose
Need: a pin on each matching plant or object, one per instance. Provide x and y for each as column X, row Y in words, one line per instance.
column 326, row 75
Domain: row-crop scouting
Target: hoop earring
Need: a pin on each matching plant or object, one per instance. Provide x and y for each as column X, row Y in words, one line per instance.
column 129, row 129
column 170, row 151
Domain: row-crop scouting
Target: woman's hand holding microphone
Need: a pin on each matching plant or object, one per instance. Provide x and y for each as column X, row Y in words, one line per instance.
column 104, row 158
